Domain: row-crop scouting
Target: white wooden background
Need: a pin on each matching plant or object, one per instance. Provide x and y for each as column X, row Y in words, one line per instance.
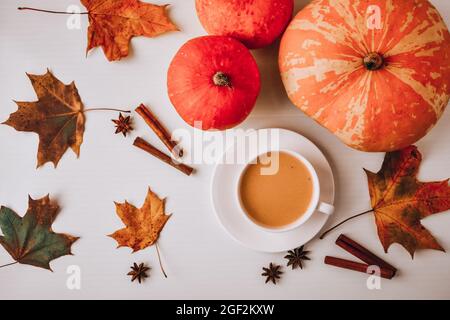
column 200, row 258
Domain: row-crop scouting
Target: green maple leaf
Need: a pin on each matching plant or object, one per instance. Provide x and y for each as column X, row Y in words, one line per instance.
column 30, row 239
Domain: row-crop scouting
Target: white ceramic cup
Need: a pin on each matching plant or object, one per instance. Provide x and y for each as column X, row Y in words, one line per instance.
column 314, row 205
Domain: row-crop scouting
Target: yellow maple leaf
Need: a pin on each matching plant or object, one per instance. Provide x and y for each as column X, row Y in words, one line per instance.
column 143, row 225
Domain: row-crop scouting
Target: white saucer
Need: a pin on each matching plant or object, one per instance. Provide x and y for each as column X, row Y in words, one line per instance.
column 223, row 193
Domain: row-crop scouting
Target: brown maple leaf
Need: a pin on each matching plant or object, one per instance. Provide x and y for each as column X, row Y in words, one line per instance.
column 143, row 225
column 57, row 117
column 400, row 201
column 114, row 22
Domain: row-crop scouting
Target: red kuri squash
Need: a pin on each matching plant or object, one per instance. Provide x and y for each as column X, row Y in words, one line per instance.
column 213, row 82
column 376, row 73
column 256, row 23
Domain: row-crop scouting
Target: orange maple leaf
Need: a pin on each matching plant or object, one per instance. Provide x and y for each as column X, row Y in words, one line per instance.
column 143, row 225
column 400, row 201
column 114, row 22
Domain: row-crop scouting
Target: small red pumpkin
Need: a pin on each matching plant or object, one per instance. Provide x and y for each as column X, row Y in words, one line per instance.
column 256, row 23
column 375, row 73
column 213, row 82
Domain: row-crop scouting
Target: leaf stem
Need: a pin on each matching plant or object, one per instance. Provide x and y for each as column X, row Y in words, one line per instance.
column 342, row 222
column 159, row 259
column 9, row 264
column 107, row 109
column 50, row 11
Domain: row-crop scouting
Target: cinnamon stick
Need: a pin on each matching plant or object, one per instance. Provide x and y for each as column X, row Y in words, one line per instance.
column 144, row 145
column 159, row 130
column 356, row 266
column 362, row 253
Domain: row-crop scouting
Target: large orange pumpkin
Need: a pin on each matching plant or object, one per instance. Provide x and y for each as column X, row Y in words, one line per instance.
column 376, row 73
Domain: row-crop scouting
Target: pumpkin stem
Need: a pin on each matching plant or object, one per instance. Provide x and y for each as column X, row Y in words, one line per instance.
column 221, row 79
column 373, row 61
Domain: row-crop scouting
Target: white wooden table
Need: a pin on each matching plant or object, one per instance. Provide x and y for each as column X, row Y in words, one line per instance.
column 201, row 259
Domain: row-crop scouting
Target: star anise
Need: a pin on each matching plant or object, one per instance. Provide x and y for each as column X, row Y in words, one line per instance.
column 139, row 272
column 272, row 273
column 123, row 124
column 295, row 257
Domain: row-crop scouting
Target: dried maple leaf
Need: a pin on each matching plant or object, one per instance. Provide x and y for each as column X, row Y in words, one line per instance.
column 114, row 22
column 31, row 240
column 57, row 117
column 142, row 225
column 400, row 201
